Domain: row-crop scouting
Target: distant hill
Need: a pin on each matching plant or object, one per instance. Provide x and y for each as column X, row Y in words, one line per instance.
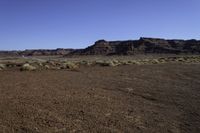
column 37, row 52
column 129, row 47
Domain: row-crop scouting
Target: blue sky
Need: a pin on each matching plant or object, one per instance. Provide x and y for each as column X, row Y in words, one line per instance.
column 32, row 24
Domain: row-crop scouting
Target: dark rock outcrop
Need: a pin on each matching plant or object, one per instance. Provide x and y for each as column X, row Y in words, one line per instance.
column 141, row 46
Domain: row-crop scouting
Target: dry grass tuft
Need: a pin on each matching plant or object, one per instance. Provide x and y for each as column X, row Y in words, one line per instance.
column 28, row 67
column 69, row 65
column 2, row 66
column 105, row 63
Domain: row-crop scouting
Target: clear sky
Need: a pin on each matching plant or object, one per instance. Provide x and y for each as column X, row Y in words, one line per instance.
column 32, row 24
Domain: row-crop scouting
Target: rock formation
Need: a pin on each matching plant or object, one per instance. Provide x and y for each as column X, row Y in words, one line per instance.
column 130, row 47
column 141, row 46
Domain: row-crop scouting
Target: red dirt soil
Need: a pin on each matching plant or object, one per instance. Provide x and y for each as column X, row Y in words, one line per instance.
column 137, row 98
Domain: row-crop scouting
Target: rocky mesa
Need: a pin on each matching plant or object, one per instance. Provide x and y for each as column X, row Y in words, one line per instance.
column 141, row 46
column 129, row 47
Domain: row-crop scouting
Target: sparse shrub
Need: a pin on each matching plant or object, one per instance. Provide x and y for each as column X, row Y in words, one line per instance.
column 100, row 62
column 69, row 65
column 145, row 61
column 28, row 67
column 105, row 63
column 139, row 62
column 136, row 62
column 52, row 63
column 10, row 65
column 155, row 61
column 47, row 67
column 40, row 64
column 115, row 61
column 85, row 63
column 89, row 64
column 129, row 62
column 111, row 63
column 55, row 68
column 162, row 60
column 197, row 60
column 126, row 62
column 180, row 59
column 172, row 58
column 2, row 66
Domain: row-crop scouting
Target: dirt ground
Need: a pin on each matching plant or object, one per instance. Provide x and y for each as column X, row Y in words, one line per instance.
column 137, row 99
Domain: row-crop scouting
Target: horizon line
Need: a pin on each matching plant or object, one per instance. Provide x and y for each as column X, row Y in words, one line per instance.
column 57, row 48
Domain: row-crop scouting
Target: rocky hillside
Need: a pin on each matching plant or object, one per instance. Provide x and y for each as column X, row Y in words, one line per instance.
column 130, row 47
column 43, row 52
column 37, row 52
column 141, row 46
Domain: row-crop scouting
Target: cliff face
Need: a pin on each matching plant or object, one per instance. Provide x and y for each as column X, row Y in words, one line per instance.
column 130, row 47
column 141, row 46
